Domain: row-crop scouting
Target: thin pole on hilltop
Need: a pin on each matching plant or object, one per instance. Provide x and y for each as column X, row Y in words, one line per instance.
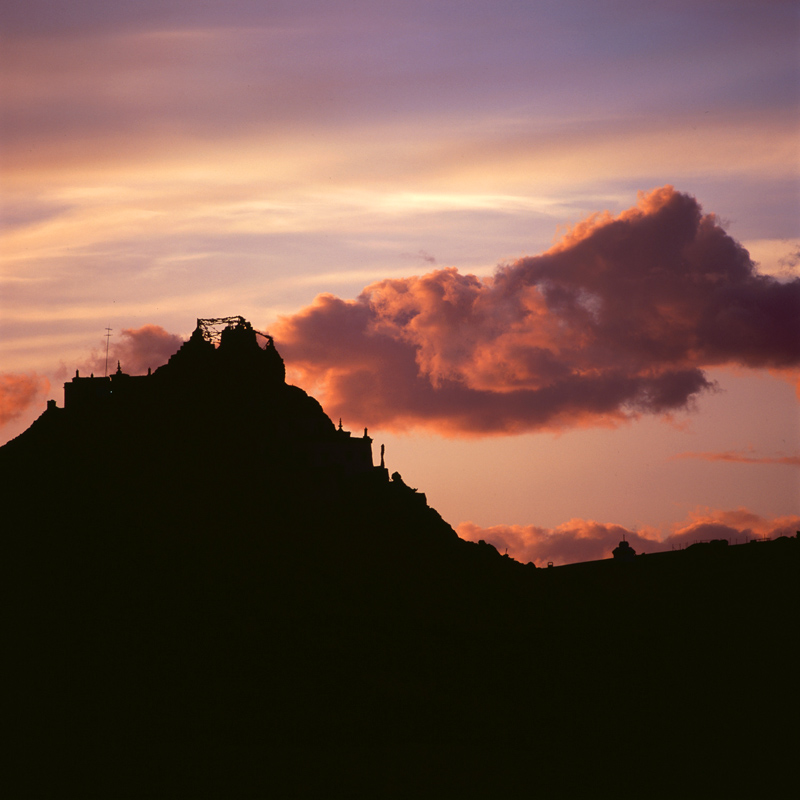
column 108, row 339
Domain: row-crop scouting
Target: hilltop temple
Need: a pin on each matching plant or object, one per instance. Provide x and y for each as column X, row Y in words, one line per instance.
column 229, row 369
column 208, row 352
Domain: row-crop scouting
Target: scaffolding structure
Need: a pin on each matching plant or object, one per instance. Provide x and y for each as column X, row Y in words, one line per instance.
column 212, row 328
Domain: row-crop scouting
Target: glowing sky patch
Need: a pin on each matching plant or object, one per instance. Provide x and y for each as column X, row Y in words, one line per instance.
column 167, row 161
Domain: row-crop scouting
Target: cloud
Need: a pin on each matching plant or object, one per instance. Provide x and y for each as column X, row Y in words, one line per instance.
column 424, row 255
column 576, row 540
column 137, row 350
column 738, row 524
column 19, row 391
column 742, row 457
column 587, row 540
column 618, row 319
column 791, row 261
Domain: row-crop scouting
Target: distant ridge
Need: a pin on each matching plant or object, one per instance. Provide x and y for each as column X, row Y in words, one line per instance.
column 214, row 591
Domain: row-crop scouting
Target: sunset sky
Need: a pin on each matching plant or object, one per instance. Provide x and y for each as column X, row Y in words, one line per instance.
column 549, row 252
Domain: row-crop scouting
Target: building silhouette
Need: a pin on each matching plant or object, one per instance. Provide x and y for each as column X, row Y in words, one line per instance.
column 227, row 366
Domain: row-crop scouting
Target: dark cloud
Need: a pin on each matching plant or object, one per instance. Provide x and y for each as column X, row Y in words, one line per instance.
column 586, row 540
column 619, row 319
column 19, row 391
column 791, row 261
column 422, row 255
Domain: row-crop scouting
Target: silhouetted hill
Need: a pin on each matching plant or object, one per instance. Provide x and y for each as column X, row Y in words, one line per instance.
column 213, row 591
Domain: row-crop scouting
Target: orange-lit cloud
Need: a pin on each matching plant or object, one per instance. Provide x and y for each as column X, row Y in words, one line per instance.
column 586, row 540
column 18, row 391
column 618, row 319
column 743, row 457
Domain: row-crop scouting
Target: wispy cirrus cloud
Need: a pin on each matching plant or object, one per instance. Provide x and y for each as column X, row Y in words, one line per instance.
column 748, row 456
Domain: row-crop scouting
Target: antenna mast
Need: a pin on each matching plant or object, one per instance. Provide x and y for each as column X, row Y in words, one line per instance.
column 108, row 339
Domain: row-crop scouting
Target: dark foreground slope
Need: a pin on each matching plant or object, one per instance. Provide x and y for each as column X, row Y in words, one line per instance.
column 195, row 610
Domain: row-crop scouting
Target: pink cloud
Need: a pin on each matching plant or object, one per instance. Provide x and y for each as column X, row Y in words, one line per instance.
column 737, row 524
column 19, row 391
column 573, row 541
column 618, row 319
column 137, row 350
column 587, row 540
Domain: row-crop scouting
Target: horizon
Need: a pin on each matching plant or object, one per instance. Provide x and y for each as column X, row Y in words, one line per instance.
column 462, row 232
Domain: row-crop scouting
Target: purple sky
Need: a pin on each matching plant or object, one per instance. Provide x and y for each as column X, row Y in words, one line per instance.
column 163, row 161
